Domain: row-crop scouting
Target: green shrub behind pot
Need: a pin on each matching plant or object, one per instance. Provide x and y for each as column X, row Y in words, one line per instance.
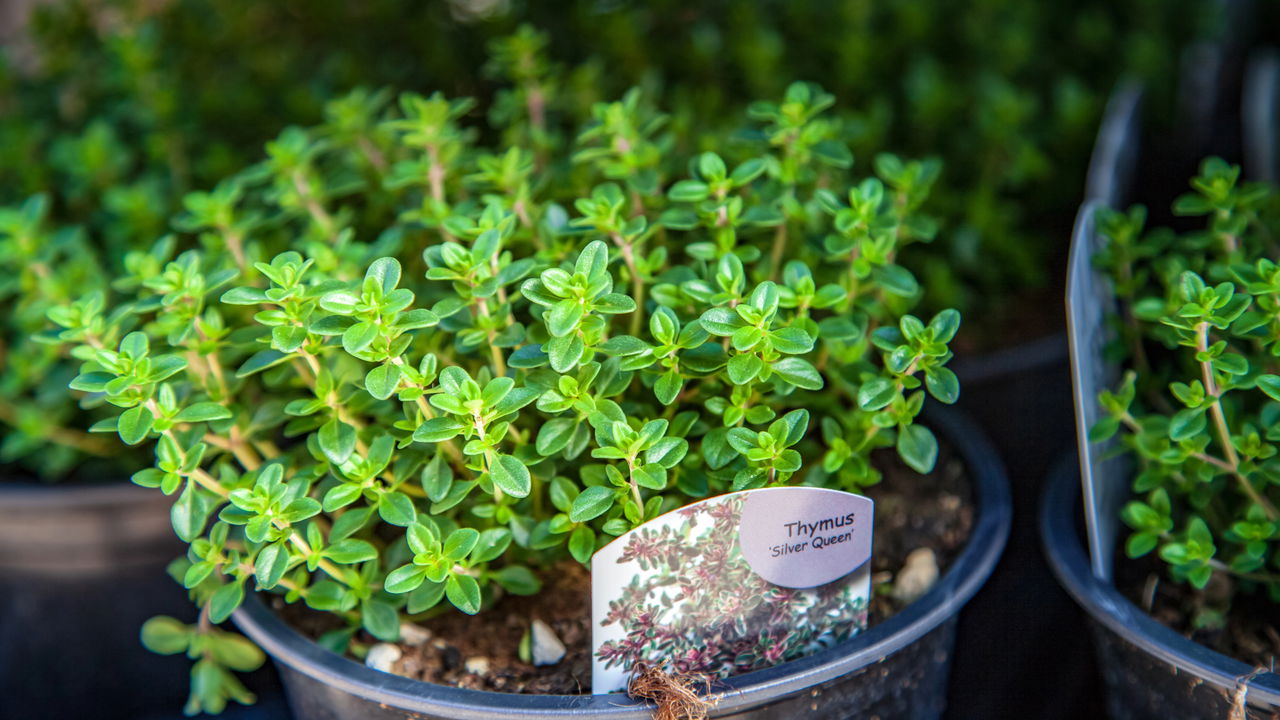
column 1008, row 94
column 1200, row 400
column 114, row 109
column 399, row 368
column 108, row 127
column 44, row 267
column 117, row 107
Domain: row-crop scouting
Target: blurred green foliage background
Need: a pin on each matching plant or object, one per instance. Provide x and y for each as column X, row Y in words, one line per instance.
column 113, row 109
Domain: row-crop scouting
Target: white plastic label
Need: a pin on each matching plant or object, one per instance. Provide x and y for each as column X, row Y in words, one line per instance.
column 732, row 584
column 1089, row 299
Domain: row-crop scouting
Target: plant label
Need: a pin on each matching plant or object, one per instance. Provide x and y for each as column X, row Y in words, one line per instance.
column 732, row 584
column 1102, row 476
column 1089, row 303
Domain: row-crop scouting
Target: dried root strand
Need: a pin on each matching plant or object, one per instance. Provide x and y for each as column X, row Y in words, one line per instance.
column 1240, row 697
column 675, row 695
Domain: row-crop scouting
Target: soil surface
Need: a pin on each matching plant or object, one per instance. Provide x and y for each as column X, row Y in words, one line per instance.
column 481, row 652
column 459, row 640
column 916, row 511
column 1249, row 632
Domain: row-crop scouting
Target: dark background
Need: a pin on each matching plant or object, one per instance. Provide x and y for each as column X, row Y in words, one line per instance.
column 1022, row 647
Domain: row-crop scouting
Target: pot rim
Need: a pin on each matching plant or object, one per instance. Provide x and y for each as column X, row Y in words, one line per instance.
column 65, row 532
column 743, row 692
column 36, row 496
column 999, row 365
column 1106, row 605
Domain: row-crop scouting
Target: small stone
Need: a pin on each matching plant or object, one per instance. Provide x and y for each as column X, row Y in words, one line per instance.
column 916, row 576
column 452, row 658
column 382, row 656
column 545, row 647
column 477, row 665
column 414, row 635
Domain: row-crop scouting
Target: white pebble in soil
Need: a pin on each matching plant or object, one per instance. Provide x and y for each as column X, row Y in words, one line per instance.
column 382, row 656
column 478, row 665
column 414, row 635
column 545, row 647
column 916, row 577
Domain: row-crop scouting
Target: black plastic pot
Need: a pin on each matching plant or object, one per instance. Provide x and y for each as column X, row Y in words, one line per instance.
column 1151, row 672
column 1261, row 103
column 1001, row 388
column 81, row 568
column 1022, row 397
column 1148, row 670
column 897, row 669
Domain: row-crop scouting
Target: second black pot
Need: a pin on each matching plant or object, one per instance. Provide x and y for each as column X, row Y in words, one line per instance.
column 81, row 568
column 1150, row 671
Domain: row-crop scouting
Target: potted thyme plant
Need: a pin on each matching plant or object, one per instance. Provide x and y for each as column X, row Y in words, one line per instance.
column 103, row 132
column 397, row 376
column 1190, row 618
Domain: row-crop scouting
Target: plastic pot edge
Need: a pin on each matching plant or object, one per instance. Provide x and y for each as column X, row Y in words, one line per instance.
column 34, row 496
column 70, row 531
column 1064, row 550
column 1114, row 157
column 962, row 580
column 1258, row 114
column 1028, row 356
